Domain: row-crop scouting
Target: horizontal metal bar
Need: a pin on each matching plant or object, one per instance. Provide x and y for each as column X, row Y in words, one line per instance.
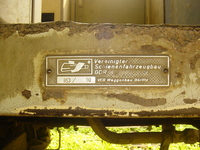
column 188, row 136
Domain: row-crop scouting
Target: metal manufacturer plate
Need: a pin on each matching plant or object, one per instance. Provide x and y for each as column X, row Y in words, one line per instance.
column 107, row 70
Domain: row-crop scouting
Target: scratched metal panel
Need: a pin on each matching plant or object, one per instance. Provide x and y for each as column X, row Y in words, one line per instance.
column 25, row 47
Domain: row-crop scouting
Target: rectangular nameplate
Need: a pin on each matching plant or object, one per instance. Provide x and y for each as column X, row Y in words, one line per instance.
column 107, row 70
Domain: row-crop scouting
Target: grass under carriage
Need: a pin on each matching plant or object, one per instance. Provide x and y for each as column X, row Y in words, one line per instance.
column 85, row 139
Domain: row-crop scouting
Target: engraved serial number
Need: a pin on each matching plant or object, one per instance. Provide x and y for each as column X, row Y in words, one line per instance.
column 75, row 80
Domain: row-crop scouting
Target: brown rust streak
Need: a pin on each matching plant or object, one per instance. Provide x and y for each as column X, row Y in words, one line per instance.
column 128, row 97
column 190, row 101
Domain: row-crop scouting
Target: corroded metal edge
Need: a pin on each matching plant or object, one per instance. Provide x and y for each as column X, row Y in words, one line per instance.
column 77, row 112
column 7, row 30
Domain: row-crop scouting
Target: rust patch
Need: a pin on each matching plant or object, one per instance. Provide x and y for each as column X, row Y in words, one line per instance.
column 57, row 94
column 178, row 74
column 188, row 112
column 194, row 60
column 190, row 101
column 78, row 111
column 127, row 97
column 146, row 49
column 104, row 34
column 26, row 93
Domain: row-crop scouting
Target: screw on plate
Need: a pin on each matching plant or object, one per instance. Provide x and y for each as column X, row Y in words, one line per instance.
column 49, row 71
column 165, row 70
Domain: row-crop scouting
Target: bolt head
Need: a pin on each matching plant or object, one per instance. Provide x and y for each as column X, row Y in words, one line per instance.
column 49, row 71
column 165, row 70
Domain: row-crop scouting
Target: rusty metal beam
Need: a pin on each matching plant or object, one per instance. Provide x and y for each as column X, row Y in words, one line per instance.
column 123, row 138
column 169, row 135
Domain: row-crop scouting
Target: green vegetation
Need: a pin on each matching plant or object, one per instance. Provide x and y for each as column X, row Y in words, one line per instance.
column 86, row 139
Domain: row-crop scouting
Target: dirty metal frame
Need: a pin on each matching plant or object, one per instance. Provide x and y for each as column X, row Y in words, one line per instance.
column 25, row 93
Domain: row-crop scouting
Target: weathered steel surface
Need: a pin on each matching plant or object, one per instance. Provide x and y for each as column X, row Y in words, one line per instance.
column 24, row 47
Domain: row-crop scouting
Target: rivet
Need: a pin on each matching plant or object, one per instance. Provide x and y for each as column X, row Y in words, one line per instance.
column 49, row 71
column 165, row 70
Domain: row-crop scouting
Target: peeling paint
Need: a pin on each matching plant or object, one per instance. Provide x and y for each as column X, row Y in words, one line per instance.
column 26, row 93
column 192, row 112
column 78, row 111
